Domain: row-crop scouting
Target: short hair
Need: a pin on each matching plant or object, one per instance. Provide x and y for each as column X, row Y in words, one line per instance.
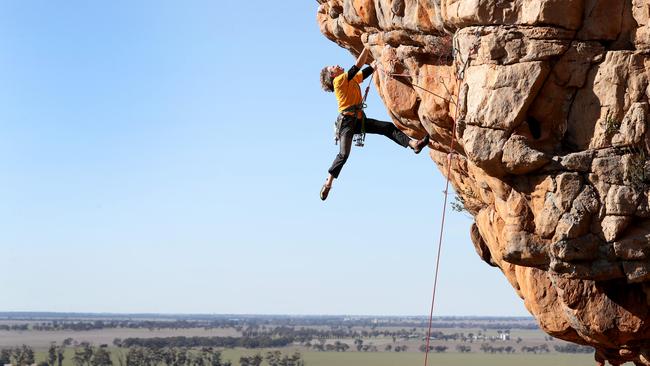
column 326, row 79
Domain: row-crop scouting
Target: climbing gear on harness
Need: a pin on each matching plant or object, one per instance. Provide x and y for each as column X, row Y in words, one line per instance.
column 354, row 110
column 359, row 138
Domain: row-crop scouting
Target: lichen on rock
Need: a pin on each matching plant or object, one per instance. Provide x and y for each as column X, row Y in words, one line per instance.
column 547, row 103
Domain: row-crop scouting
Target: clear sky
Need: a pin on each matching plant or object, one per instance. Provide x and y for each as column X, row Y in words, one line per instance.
column 166, row 156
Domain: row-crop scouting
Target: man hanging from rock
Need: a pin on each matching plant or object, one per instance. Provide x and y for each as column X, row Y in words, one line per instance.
column 352, row 120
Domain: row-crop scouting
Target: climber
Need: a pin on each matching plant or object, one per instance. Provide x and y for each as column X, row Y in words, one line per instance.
column 352, row 119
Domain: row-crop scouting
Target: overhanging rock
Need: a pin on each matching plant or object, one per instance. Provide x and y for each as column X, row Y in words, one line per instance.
column 550, row 103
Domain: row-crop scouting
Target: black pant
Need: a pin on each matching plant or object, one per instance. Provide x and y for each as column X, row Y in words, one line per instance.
column 351, row 126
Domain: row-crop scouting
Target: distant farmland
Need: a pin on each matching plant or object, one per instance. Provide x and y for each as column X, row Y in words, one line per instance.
column 325, row 340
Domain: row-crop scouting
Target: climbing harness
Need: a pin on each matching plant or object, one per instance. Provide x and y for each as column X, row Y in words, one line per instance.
column 359, row 138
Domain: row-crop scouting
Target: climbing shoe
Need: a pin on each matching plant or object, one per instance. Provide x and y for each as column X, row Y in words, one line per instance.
column 325, row 191
column 421, row 144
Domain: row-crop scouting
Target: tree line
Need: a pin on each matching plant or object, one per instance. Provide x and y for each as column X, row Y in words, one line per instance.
column 18, row 327
column 573, row 348
column 224, row 342
column 172, row 356
column 537, row 349
column 86, row 354
column 273, row 358
column 18, row 356
column 80, row 321
column 82, row 325
column 306, row 334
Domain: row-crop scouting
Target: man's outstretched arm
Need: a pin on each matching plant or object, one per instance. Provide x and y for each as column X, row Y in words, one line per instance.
column 368, row 70
column 361, row 60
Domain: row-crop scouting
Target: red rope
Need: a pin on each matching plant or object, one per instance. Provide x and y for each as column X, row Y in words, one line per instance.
column 365, row 96
column 444, row 207
column 442, row 229
column 459, row 79
column 393, row 75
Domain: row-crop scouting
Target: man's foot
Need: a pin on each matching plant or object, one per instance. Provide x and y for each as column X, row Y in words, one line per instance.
column 325, row 191
column 420, row 144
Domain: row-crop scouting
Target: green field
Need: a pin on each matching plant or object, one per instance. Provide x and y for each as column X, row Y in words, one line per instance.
column 474, row 334
column 398, row 359
column 416, row 359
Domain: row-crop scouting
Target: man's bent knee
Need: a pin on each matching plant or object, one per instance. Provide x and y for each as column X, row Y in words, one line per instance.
column 342, row 157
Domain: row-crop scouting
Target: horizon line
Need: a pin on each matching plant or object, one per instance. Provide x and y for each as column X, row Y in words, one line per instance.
column 90, row 313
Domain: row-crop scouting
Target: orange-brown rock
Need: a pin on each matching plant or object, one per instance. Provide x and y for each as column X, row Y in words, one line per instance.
column 547, row 104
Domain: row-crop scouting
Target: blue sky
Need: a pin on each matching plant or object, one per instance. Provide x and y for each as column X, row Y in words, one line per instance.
column 164, row 156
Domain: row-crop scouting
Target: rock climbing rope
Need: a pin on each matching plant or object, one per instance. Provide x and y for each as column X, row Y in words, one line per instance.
column 460, row 77
column 408, row 81
column 360, row 139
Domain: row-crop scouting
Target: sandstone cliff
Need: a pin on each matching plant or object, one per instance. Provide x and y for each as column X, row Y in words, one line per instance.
column 548, row 103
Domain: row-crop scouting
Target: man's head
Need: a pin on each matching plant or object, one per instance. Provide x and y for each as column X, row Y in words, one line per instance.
column 327, row 76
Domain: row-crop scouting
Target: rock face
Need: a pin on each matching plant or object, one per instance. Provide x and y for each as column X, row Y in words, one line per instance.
column 546, row 102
